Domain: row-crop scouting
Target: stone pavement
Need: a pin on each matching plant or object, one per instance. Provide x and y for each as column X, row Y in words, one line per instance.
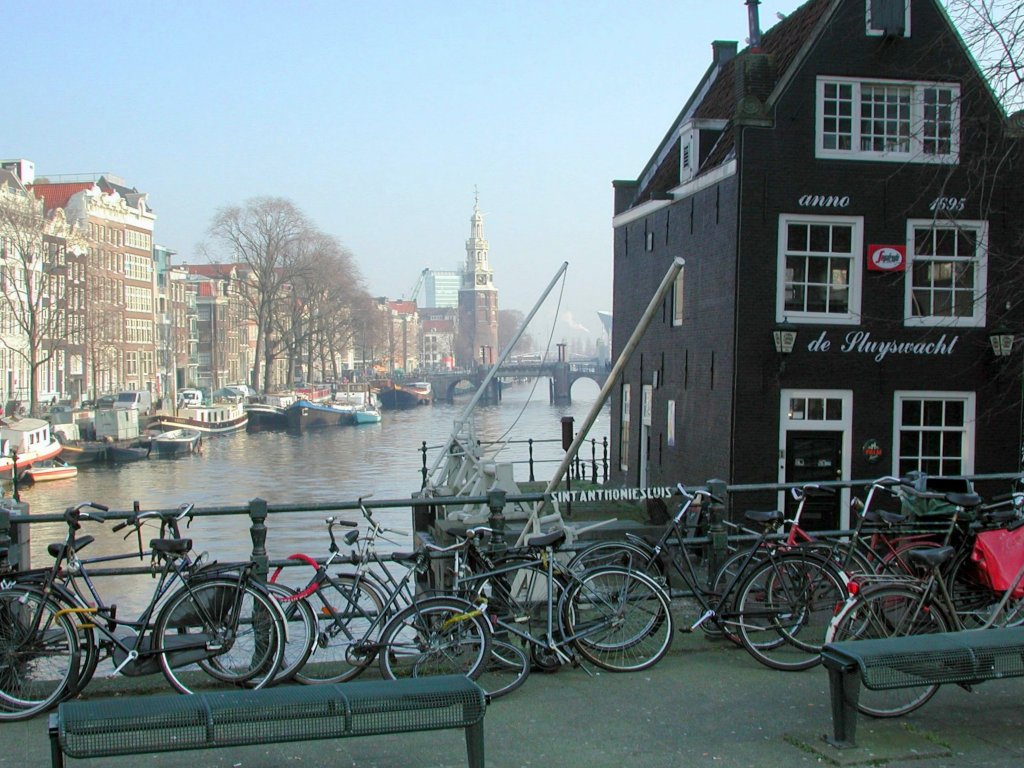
column 706, row 704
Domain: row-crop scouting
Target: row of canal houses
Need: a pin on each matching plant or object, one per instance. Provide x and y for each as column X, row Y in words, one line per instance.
column 846, row 195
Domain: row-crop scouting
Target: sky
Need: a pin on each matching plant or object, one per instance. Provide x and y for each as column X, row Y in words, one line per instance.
column 380, row 121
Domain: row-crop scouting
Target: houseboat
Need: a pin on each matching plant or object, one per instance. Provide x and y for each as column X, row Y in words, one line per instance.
column 23, row 442
column 226, row 413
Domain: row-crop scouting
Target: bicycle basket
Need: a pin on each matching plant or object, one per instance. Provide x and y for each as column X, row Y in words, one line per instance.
column 999, row 555
column 923, row 508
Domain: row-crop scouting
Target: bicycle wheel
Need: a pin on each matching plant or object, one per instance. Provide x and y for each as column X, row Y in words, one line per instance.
column 88, row 645
column 300, row 624
column 618, row 619
column 725, row 576
column 39, row 654
column 974, row 600
column 346, row 609
column 785, row 607
column 437, row 636
column 505, row 669
column 889, row 611
column 233, row 633
column 624, row 554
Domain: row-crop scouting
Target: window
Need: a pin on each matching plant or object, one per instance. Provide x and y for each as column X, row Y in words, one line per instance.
column 819, row 268
column 888, row 17
column 678, row 291
column 888, row 120
column 934, row 432
column 947, row 273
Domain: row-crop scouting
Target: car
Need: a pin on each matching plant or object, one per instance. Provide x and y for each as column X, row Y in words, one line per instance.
column 106, row 401
column 242, row 389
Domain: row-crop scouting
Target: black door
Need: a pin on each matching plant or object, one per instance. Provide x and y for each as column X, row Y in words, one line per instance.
column 815, row 457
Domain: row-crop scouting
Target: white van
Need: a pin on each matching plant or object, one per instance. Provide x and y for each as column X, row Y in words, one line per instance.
column 139, row 399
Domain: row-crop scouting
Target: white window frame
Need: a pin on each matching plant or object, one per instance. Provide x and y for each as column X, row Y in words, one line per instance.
column 855, row 275
column 916, row 153
column 872, row 32
column 968, row 429
column 980, row 260
column 678, row 298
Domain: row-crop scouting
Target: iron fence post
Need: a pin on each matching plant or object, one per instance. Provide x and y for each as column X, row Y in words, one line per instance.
column 718, row 538
column 423, row 469
column 530, row 444
column 496, row 519
column 258, row 533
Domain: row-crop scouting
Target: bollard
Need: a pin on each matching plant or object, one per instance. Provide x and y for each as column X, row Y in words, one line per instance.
column 16, row 539
column 496, row 519
column 258, row 533
column 718, row 537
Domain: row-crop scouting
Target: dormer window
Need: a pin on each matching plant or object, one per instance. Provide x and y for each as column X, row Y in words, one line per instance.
column 687, row 155
column 887, row 18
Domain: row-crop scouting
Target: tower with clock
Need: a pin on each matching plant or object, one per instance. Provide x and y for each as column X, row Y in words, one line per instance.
column 478, row 300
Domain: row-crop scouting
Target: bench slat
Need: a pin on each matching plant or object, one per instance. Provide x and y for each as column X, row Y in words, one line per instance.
column 103, row 728
column 968, row 656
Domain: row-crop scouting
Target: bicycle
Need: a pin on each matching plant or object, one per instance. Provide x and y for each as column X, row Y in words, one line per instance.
column 366, row 616
column 614, row 617
column 773, row 599
column 206, row 616
column 884, row 605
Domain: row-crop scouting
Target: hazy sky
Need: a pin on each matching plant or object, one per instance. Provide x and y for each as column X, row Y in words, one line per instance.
column 377, row 119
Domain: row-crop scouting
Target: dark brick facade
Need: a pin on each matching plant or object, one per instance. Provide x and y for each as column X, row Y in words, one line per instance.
column 720, row 366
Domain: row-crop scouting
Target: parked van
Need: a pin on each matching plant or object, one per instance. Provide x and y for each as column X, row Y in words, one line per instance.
column 139, row 399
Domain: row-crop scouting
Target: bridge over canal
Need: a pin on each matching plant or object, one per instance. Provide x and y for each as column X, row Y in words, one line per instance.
column 562, row 376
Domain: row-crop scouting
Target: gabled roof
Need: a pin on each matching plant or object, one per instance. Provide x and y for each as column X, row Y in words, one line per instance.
column 57, row 195
column 211, row 271
column 783, row 43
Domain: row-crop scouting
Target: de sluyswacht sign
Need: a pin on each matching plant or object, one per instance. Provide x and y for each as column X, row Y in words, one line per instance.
column 613, row 494
column 863, row 343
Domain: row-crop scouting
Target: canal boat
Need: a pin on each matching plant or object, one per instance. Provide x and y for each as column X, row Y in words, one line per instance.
column 176, row 442
column 304, row 414
column 224, row 414
column 124, row 452
column 268, row 412
column 408, row 395
column 23, row 442
column 49, row 469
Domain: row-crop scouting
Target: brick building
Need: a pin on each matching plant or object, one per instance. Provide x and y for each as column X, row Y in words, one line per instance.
column 845, row 193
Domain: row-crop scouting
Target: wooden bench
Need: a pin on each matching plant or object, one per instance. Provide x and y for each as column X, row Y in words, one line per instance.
column 966, row 657
column 146, row 724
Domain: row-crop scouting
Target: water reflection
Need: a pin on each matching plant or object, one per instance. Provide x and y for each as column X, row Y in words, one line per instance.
column 318, row 467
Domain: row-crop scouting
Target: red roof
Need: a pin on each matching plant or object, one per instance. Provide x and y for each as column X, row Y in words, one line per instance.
column 57, row 195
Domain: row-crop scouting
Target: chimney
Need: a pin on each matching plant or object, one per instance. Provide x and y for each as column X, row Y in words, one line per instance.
column 722, row 51
column 755, row 25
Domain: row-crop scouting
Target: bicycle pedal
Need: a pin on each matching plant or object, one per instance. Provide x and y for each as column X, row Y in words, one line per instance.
column 686, row 630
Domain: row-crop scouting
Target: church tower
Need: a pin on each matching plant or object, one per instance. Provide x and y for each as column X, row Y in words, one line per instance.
column 478, row 300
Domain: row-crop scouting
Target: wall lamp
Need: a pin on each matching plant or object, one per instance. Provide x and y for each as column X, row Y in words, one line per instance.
column 1001, row 341
column 785, row 337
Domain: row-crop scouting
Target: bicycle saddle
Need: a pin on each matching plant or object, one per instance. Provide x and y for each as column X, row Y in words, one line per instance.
column 171, row 546
column 55, row 549
column 764, row 516
column 552, row 539
column 931, row 557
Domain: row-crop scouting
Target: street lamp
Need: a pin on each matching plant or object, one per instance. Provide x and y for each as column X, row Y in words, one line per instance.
column 1001, row 341
column 784, row 336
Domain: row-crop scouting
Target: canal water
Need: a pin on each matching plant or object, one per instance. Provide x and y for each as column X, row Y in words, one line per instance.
column 331, row 465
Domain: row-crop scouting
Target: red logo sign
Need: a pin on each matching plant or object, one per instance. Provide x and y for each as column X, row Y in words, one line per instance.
column 887, row 258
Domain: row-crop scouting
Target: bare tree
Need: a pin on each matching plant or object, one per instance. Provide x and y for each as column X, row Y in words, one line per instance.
column 266, row 237
column 33, row 262
column 994, row 32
